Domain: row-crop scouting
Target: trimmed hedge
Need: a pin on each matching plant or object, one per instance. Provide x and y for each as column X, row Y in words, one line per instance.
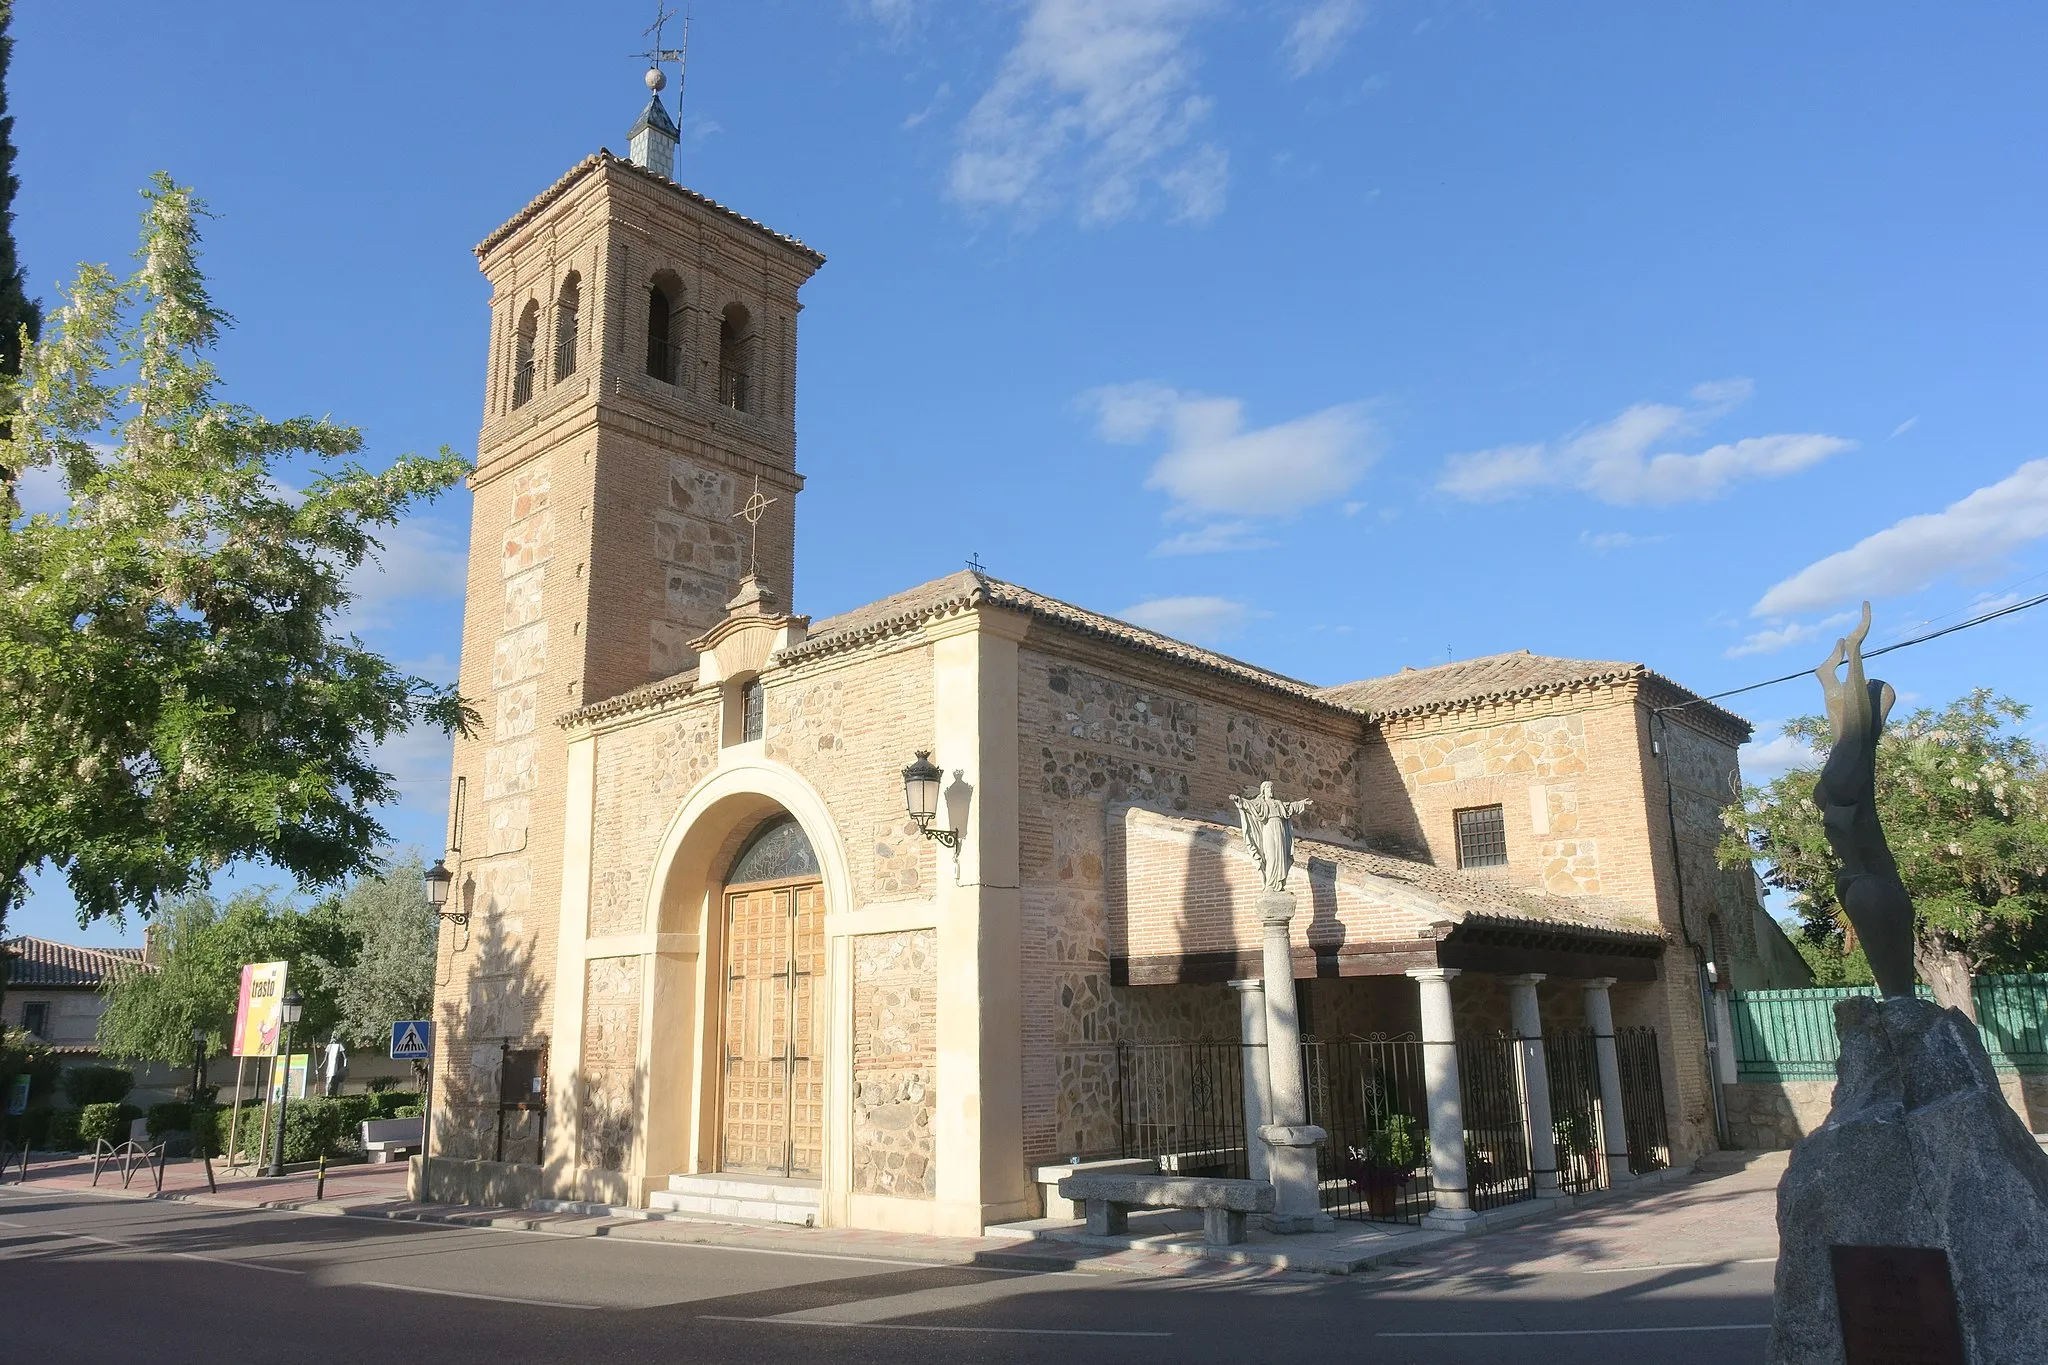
column 106, row 1120
column 64, row 1131
column 85, row 1086
column 174, row 1117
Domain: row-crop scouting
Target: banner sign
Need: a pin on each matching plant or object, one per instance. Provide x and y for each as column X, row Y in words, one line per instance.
column 17, row 1097
column 259, row 1013
column 291, row 1073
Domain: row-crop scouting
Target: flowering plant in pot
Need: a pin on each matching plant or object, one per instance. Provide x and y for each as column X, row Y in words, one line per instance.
column 1386, row 1162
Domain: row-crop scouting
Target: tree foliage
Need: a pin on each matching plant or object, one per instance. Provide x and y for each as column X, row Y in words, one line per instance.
column 174, row 697
column 360, row 959
column 1963, row 798
column 17, row 309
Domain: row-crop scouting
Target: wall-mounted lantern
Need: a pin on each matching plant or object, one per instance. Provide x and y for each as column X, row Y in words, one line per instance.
column 921, row 798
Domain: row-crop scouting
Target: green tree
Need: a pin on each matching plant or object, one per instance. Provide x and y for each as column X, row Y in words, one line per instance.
column 1961, row 795
column 391, row 932
column 17, row 309
column 201, row 945
column 174, row 697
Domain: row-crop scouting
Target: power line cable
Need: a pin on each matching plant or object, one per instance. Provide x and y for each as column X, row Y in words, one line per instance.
column 2006, row 610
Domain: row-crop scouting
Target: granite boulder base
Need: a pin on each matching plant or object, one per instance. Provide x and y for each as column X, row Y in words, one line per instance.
column 1920, row 1150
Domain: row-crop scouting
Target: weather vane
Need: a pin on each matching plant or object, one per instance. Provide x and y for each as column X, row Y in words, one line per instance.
column 657, row 54
column 755, row 507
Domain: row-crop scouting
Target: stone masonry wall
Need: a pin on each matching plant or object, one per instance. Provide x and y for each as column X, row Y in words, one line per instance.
column 1098, row 730
column 895, row 1063
column 1775, row 1115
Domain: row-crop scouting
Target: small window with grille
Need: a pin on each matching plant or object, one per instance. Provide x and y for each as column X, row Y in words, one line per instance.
column 35, row 1017
column 1482, row 838
column 751, row 707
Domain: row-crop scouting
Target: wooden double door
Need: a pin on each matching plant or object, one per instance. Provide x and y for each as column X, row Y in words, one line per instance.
column 772, row 1119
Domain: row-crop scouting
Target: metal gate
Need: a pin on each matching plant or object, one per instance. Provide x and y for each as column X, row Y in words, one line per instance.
column 1574, row 1110
column 1642, row 1100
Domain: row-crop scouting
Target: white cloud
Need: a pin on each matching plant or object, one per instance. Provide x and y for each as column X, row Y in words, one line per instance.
column 1218, row 537
column 1601, row 542
column 1765, row 759
column 1778, row 637
column 420, row 559
column 1213, row 465
column 1094, row 107
column 1202, row 620
column 1614, row 462
column 1911, row 554
column 1319, row 33
column 939, row 97
column 41, row 491
column 1902, row 428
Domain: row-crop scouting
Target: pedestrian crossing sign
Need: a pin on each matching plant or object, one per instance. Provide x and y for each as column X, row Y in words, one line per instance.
column 410, row 1039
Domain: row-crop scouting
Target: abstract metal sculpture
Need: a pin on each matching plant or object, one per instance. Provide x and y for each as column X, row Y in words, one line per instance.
column 1868, row 884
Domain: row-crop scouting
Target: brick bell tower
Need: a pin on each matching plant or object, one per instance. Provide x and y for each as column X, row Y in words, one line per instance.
column 640, row 384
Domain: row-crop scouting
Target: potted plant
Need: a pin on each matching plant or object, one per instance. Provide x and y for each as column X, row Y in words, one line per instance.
column 1386, row 1163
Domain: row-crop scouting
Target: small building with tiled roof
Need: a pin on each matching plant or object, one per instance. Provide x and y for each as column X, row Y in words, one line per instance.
column 710, row 942
column 53, row 990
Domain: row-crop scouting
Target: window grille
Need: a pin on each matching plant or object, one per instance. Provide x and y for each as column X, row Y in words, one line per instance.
column 35, row 1017
column 1482, row 838
column 522, row 355
column 661, row 351
column 751, row 709
column 735, row 358
column 732, row 388
column 776, row 852
column 565, row 328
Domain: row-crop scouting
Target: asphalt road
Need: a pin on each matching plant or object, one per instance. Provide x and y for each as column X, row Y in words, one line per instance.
column 84, row 1278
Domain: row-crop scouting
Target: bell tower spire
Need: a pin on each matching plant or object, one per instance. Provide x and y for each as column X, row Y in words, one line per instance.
column 655, row 136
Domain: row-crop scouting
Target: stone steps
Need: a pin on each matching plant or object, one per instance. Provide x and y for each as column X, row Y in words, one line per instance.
column 763, row 1199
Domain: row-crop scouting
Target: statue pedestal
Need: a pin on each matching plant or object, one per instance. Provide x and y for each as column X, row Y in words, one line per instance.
column 1291, row 1140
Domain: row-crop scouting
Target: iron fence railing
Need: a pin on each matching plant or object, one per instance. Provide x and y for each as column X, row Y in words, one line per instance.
column 1496, row 1131
column 1574, row 1110
column 732, row 389
column 1790, row 1035
column 1642, row 1100
column 1369, row 1095
column 522, row 381
column 1182, row 1105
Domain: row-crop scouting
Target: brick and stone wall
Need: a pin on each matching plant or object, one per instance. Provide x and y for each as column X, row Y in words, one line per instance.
column 1775, row 1115
column 895, row 1063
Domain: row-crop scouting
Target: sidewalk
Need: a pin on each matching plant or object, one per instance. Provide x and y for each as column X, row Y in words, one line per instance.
column 1724, row 1213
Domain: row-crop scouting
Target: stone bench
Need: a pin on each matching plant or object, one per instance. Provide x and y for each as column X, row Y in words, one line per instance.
column 1224, row 1203
column 389, row 1139
column 1048, row 1178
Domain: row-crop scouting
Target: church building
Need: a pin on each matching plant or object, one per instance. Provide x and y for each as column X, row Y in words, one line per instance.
column 860, row 921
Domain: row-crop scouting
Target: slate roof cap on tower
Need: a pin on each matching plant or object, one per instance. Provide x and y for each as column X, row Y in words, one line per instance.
column 32, row 961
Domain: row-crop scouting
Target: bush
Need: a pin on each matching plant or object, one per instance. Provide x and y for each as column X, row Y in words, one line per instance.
column 106, row 1120
column 86, row 1085
column 208, row 1125
column 317, row 1127
column 64, row 1131
column 409, row 1111
column 390, row 1102
column 175, row 1117
column 356, row 1109
column 247, row 1128
column 34, row 1126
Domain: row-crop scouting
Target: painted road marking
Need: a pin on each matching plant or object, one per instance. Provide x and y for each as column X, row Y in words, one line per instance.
column 928, row 1327
column 464, row 1294
column 1592, row 1331
column 152, row 1251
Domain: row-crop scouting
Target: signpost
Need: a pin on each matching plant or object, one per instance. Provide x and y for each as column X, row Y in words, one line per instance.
column 413, row 1040
column 259, row 1012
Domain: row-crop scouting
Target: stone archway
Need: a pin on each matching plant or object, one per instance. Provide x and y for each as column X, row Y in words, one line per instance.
column 688, row 905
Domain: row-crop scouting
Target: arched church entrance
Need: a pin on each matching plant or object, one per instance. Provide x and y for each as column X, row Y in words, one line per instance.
column 771, row 1095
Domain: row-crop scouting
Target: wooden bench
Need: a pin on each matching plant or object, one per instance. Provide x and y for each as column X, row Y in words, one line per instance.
column 390, row 1139
column 1224, row 1203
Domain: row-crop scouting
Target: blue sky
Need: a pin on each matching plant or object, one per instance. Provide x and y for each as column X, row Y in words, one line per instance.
column 1340, row 335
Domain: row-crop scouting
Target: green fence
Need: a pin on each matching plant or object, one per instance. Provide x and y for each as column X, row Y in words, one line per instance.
column 1790, row 1035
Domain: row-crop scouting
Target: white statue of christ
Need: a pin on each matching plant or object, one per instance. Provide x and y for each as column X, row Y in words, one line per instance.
column 1268, row 825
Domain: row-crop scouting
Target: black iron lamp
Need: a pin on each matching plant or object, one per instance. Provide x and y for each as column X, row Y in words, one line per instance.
column 293, row 1007
column 921, row 798
column 439, row 882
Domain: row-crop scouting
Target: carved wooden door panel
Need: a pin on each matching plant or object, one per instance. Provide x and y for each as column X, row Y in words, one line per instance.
column 774, row 1111
column 807, row 1033
column 757, row 949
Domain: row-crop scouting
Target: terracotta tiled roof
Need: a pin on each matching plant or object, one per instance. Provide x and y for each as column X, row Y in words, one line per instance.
column 906, row 611
column 35, row 961
column 1504, row 677
column 603, row 157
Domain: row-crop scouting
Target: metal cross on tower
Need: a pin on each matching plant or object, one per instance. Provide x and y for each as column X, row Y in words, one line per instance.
column 657, row 54
column 755, row 507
